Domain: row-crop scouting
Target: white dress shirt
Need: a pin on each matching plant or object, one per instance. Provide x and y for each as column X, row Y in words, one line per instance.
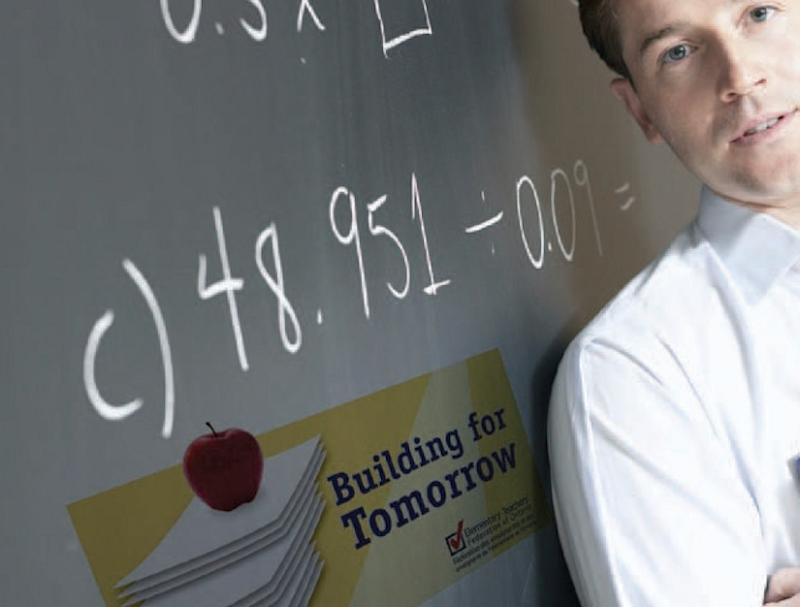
column 675, row 421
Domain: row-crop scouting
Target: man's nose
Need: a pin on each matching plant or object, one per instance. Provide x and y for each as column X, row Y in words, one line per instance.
column 742, row 73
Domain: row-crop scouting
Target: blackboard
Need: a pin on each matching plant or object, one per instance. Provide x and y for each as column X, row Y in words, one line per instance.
column 252, row 212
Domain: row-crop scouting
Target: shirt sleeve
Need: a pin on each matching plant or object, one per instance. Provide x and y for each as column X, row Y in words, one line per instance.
column 649, row 505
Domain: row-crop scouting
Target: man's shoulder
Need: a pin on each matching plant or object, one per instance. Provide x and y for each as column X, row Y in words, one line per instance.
column 652, row 322
column 633, row 361
column 664, row 299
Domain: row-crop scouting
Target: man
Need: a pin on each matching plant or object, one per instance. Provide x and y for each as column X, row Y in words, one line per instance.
column 674, row 428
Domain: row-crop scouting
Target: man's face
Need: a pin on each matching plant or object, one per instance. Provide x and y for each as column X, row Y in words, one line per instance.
column 719, row 81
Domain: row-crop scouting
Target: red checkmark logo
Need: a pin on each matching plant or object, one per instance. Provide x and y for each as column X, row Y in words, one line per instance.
column 455, row 542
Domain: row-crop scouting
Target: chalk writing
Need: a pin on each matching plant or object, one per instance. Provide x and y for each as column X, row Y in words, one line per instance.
column 345, row 219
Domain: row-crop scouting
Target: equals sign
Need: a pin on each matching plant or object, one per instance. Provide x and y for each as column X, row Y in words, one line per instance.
column 624, row 189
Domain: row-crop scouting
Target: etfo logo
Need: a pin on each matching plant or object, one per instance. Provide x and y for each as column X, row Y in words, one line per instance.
column 456, row 542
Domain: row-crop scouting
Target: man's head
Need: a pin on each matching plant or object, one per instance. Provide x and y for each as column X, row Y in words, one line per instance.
column 718, row 80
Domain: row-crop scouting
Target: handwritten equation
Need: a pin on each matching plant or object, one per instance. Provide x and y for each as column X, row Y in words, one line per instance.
column 346, row 216
column 394, row 29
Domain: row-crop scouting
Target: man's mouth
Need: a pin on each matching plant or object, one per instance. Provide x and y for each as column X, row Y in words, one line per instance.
column 763, row 126
column 760, row 128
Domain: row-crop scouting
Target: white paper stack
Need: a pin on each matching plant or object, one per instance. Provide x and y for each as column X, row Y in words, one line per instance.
column 261, row 553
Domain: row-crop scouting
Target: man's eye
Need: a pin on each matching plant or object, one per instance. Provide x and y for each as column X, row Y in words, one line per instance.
column 762, row 13
column 676, row 53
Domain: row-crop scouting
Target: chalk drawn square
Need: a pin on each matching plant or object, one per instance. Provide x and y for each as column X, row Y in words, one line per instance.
column 401, row 21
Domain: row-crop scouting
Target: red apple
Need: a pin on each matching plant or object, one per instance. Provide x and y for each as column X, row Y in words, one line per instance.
column 224, row 468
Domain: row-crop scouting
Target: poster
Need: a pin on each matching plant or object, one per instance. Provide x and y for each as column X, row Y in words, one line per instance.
column 438, row 465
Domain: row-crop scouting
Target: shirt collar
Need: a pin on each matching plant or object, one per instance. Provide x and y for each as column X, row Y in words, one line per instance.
column 756, row 248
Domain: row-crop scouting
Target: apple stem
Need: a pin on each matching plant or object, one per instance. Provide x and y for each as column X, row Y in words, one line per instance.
column 212, row 428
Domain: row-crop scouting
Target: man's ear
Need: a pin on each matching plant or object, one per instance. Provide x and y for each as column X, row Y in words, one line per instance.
column 624, row 91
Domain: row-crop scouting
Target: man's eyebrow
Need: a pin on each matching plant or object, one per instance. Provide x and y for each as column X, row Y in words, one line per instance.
column 656, row 36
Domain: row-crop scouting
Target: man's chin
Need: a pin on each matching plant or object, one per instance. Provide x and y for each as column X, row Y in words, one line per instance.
column 759, row 189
